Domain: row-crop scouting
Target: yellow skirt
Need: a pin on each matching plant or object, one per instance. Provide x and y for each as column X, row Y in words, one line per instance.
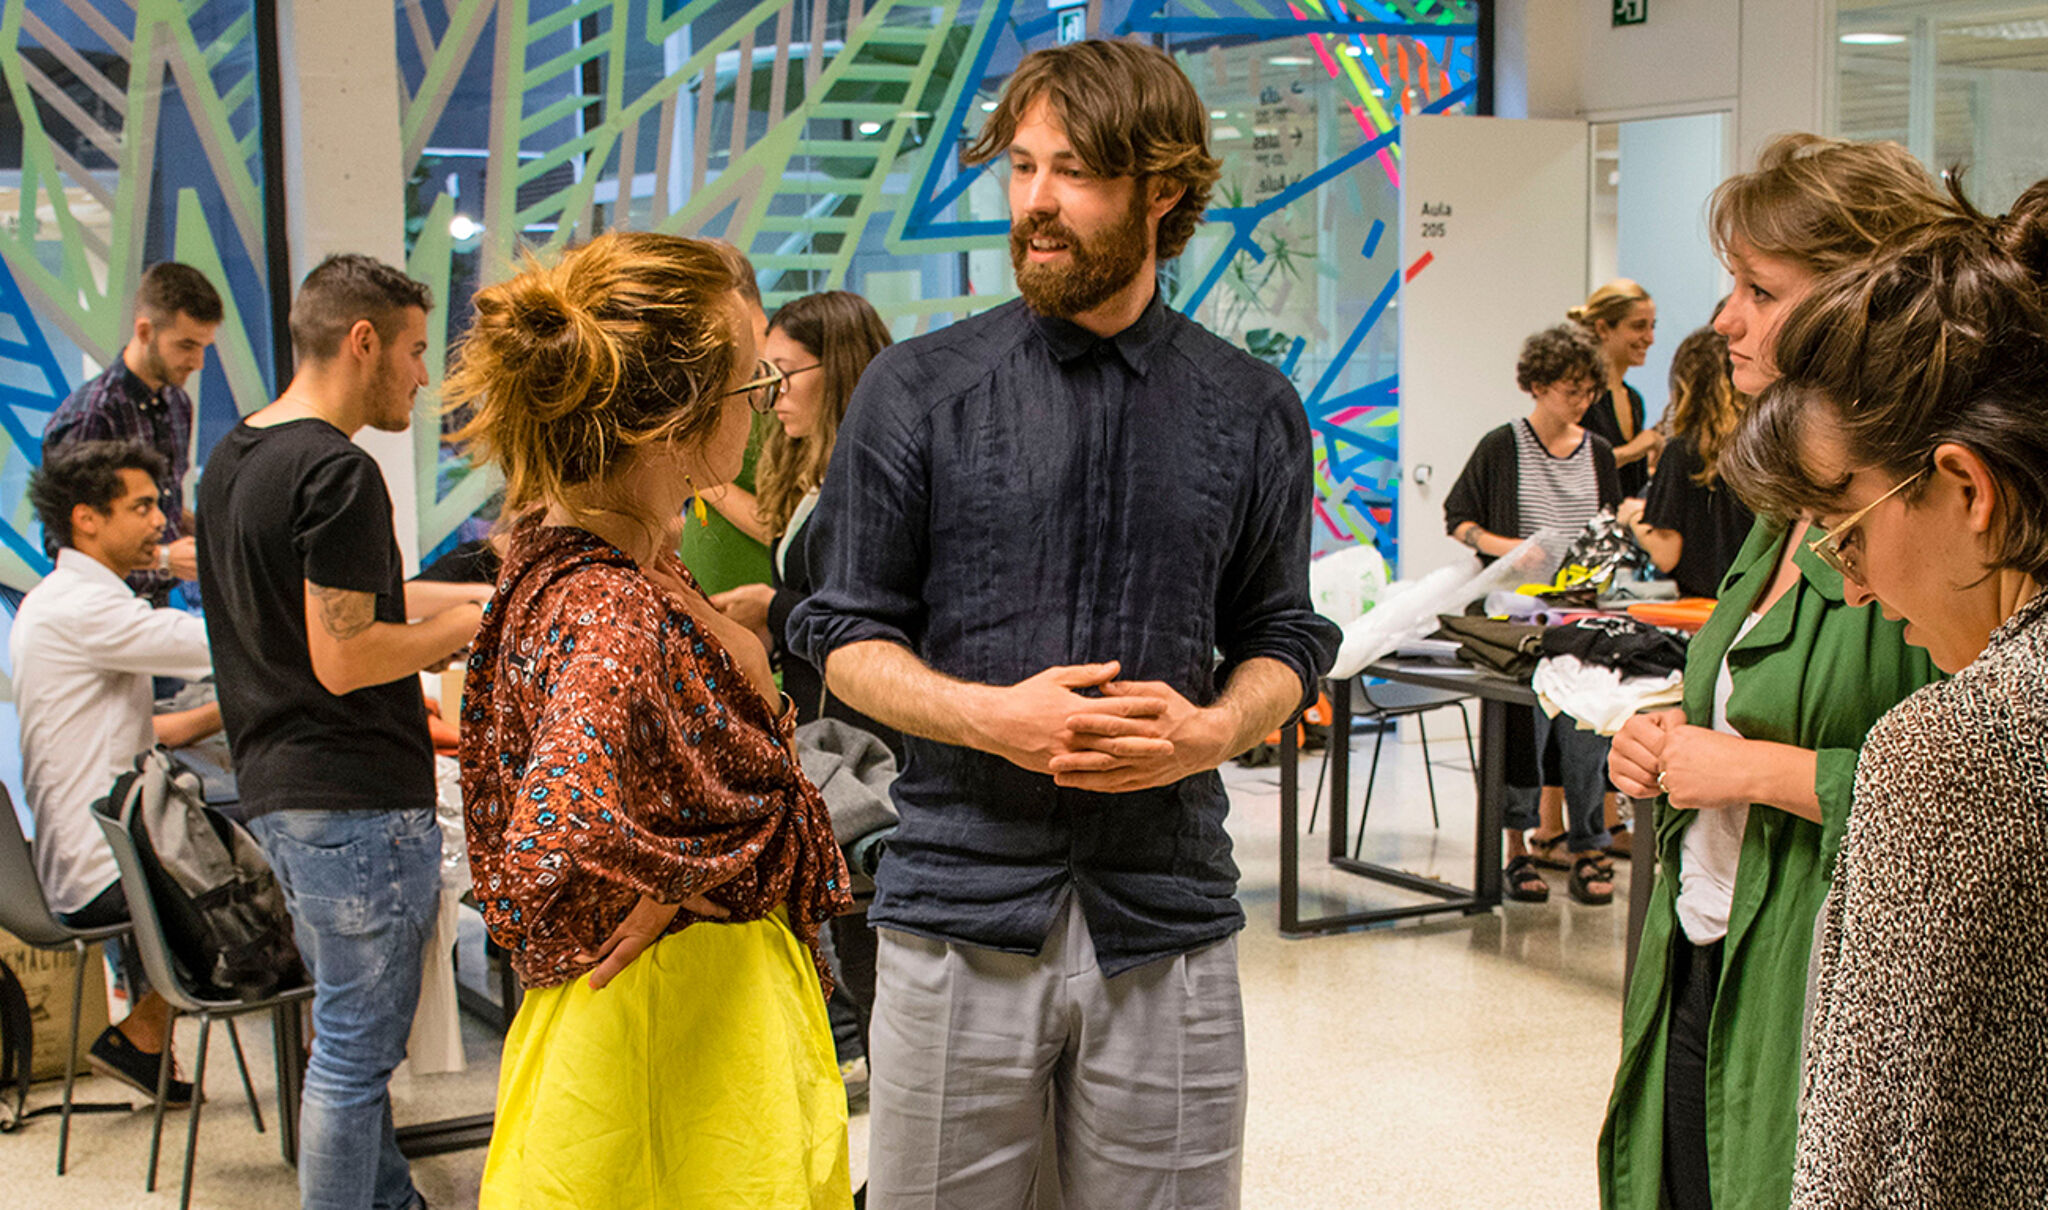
column 702, row 1076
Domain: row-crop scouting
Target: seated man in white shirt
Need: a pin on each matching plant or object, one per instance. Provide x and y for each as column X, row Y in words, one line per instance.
column 84, row 648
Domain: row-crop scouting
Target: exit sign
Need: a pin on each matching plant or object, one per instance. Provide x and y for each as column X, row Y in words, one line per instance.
column 1631, row 12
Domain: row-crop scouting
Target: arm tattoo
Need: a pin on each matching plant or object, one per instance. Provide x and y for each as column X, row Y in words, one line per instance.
column 344, row 614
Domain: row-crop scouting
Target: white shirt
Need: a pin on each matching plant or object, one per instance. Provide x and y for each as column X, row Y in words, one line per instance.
column 1712, row 848
column 84, row 648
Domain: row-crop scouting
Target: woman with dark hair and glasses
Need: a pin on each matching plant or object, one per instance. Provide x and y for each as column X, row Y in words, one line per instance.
column 642, row 839
column 1912, row 420
column 820, row 343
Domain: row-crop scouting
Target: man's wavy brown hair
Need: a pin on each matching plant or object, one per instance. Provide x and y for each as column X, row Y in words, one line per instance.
column 1129, row 110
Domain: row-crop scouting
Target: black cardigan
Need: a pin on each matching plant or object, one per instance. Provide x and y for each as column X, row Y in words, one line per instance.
column 801, row 679
column 1488, row 490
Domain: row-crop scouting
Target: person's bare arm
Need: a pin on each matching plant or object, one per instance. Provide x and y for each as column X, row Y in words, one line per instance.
column 1025, row 723
column 738, row 505
column 1639, row 447
column 1170, row 737
column 425, row 598
column 1664, row 545
column 350, row 649
column 1485, row 541
column 176, row 728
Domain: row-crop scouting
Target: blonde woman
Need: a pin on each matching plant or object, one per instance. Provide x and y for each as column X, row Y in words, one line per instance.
column 1622, row 320
column 642, row 840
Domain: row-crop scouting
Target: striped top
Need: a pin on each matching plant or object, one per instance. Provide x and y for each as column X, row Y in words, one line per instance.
column 1555, row 493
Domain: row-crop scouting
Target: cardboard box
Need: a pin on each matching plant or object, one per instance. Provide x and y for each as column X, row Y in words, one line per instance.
column 46, row 976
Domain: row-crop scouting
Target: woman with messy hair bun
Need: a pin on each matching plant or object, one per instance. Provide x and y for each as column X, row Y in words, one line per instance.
column 1912, row 420
column 642, row 840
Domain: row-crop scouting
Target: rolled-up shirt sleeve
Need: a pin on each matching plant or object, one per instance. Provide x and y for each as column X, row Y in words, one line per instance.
column 1263, row 610
column 868, row 540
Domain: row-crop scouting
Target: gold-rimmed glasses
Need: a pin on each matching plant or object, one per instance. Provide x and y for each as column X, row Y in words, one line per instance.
column 1830, row 547
column 764, row 389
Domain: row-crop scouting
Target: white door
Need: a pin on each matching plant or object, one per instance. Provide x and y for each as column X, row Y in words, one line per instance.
column 1498, row 208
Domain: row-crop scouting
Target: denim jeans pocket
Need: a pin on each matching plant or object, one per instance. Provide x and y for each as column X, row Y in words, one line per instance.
column 327, row 874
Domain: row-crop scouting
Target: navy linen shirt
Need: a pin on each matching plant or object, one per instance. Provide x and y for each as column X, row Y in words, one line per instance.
column 1012, row 493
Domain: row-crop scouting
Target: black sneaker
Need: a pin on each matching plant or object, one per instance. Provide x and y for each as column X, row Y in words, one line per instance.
column 112, row 1054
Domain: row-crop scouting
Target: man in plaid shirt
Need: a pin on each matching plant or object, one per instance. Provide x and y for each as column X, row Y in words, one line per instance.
column 141, row 397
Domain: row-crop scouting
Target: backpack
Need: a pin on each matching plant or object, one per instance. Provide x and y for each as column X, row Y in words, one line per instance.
column 223, row 913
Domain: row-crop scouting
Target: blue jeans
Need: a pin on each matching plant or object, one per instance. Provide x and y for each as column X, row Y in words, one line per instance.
column 1582, row 760
column 363, row 888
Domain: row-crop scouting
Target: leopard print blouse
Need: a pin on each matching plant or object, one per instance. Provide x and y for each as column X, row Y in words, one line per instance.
column 1927, row 1068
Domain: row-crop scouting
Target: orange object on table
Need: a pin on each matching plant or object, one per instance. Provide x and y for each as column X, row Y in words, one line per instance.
column 1686, row 613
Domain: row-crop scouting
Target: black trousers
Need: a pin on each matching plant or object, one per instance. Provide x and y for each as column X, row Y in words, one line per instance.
column 1695, row 973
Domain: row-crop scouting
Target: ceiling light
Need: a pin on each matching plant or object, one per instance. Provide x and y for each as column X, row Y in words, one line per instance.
column 871, row 128
column 988, row 107
column 1873, row 39
column 1351, row 48
column 1290, row 61
column 2003, row 31
column 463, row 227
column 1219, row 113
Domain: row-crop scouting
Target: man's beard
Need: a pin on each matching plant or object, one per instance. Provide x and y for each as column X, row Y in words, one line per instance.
column 391, row 409
column 1097, row 268
column 158, row 366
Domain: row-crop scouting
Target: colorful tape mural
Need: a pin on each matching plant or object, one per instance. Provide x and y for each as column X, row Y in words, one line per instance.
column 823, row 139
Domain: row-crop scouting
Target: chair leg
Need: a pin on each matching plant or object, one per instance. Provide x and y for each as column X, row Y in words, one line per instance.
column 1372, row 775
column 1471, row 752
column 79, row 955
column 163, row 1089
column 1316, row 803
column 248, row 1089
column 192, row 1126
column 1428, row 774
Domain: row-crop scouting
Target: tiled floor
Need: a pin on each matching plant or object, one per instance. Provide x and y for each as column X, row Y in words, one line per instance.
column 1458, row 1063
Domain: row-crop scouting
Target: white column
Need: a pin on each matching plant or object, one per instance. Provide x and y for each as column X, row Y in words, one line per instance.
column 344, row 188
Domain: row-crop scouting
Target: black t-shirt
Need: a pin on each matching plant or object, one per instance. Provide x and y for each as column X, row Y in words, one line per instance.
column 1712, row 521
column 283, row 505
column 1602, row 418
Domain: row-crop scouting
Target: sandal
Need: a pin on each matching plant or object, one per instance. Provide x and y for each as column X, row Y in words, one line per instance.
column 1523, row 883
column 1550, row 852
column 1585, row 872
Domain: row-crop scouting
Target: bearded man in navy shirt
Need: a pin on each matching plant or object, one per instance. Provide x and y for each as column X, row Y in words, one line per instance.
column 1040, row 528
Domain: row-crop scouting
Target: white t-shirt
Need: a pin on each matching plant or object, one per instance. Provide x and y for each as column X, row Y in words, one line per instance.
column 1713, row 844
column 84, row 648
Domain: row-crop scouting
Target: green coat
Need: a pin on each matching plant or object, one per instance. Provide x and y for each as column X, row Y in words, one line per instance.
column 1812, row 672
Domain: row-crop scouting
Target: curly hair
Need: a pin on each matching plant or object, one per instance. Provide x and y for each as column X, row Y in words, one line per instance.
column 1563, row 353
column 1129, row 111
column 1705, row 406
column 628, row 341
column 87, row 473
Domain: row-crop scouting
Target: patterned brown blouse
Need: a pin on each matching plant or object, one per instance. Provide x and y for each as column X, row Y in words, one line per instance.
column 611, row 748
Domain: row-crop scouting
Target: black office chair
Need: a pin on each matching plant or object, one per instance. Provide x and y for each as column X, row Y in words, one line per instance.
column 1382, row 704
column 26, row 913
column 163, row 974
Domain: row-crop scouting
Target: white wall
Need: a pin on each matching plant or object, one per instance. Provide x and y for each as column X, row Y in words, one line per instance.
column 1767, row 61
column 342, row 173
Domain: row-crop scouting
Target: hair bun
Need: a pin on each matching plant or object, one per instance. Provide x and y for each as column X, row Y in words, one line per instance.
column 2023, row 232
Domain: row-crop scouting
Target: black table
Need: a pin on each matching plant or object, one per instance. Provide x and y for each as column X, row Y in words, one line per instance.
column 1495, row 693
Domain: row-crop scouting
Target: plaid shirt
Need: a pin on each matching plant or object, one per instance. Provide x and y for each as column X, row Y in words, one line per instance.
column 118, row 406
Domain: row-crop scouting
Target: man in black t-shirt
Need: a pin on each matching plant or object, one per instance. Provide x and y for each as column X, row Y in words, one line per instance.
column 317, row 660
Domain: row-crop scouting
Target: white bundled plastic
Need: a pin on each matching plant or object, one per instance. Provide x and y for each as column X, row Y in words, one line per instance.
column 1409, row 611
column 1344, row 584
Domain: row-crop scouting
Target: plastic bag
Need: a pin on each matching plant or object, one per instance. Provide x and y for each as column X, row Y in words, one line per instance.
column 1410, row 612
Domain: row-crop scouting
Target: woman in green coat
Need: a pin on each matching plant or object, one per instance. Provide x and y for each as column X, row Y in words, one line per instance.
column 1753, row 775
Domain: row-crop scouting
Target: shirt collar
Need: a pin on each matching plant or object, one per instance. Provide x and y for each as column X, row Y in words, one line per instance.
column 78, row 563
column 138, row 390
column 1136, row 344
